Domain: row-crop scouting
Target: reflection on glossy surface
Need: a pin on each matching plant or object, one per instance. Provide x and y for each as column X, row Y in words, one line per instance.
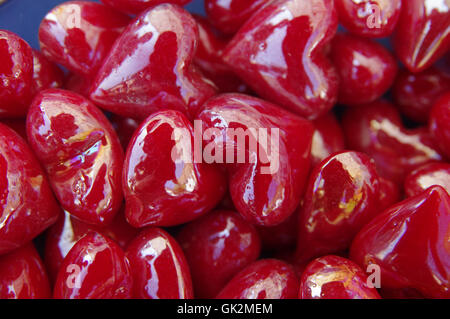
column 366, row 69
column 80, row 152
column 333, row 277
column 440, row 123
column 376, row 129
column 279, row 53
column 79, row 34
column 264, row 279
column 95, row 268
column 23, row 276
column 159, row 268
column 27, row 205
column 423, row 33
column 137, row 6
column 228, row 16
column 410, row 242
column 328, row 138
column 369, row 18
column 220, row 243
column 342, row 196
column 62, row 236
column 163, row 185
column 16, row 75
column 267, row 185
column 46, row 75
column 426, row 176
column 415, row 94
column 149, row 67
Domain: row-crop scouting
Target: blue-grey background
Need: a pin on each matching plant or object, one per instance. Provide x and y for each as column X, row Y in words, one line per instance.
column 24, row 16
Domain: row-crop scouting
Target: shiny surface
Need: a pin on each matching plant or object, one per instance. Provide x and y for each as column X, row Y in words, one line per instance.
column 369, row 18
column 342, row 196
column 229, row 16
column 16, row 75
column 390, row 193
column 150, row 67
column 328, row 138
column 163, row 184
column 62, row 236
column 81, row 153
column 264, row 279
column 426, row 176
column 79, row 35
column 159, row 268
column 377, row 130
column 440, row 123
column 27, row 205
column 415, row 94
column 333, row 277
column 220, row 244
column 265, row 186
column 46, row 75
column 137, row 6
column 23, row 276
column 366, row 69
column 95, row 268
column 209, row 59
column 279, row 53
column 410, row 244
column 422, row 34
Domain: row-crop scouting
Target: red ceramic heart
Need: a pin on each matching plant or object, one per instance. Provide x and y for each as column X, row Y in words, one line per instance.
column 426, row 176
column 137, row 6
column 279, row 53
column 440, row 123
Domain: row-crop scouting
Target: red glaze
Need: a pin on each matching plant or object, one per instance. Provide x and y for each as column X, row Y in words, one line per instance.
column 78, row 83
column 81, row 153
column 389, row 194
column 377, row 130
column 366, row 69
column 333, row 277
column 27, row 203
column 369, row 18
column 229, row 16
column 218, row 246
column 415, row 94
column 159, row 268
column 95, row 268
column 209, row 59
column 279, row 53
column 264, row 279
column 150, row 68
column 46, row 75
column 16, row 75
column 79, row 35
column 409, row 242
column 440, row 123
column 421, row 35
column 125, row 128
column 163, row 184
column 265, row 194
column 62, row 236
column 342, row 196
column 426, row 176
column 23, row 276
column 137, row 6
column 328, row 138
column 280, row 238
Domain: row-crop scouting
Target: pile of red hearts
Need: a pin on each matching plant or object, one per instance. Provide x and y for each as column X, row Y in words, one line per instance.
column 99, row 160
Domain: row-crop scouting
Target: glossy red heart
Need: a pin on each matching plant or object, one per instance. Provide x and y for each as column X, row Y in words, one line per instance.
column 440, row 123
column 81, row 153
column 279, row 53
column 95, row 268
column 220, row 243
column 422, row 34
column 150, row 67
column 23, row 275
column 159, row 267
column 265, row 151
column 163, row 183
column 426, row 176
column 137, row 6
column 409, row 242
column 79, row 35
column 27, row 203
